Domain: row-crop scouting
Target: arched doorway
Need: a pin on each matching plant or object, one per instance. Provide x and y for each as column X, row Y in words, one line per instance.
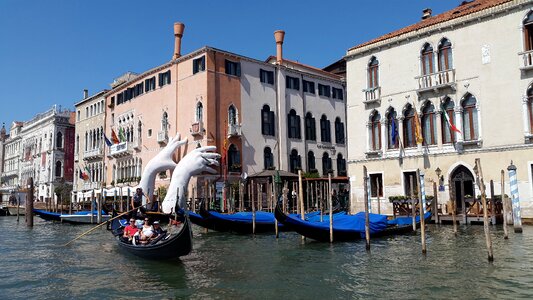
column 463, row 183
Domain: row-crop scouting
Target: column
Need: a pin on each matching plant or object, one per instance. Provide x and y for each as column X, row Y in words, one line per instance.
column 400, row 131
column 525, row 115
column 459, row 123
column 384, row 139
column 438, row 120
column 368, row 136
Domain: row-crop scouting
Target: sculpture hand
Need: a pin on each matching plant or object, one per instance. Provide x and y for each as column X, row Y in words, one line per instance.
column 164, row 159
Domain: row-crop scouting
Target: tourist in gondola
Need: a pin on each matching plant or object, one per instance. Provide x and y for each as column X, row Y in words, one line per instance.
column 157, row 230
column 130, row 230
column 147, row 230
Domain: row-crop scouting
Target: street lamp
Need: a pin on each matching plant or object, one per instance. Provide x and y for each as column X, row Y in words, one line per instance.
column 440, row 178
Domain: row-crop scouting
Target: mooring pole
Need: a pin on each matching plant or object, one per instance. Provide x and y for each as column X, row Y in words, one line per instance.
column 92, row 206
column 492, row 204
column 451, row 189
column 435, row 203
column 504, row 205
column 517, row 214
column 301, row 197
column 253, row 207
column 413, row 205
column 330, row 200
column 367, row 221
column 479, row 175
column 29, row 204
column 377, row 194
column 422, row 198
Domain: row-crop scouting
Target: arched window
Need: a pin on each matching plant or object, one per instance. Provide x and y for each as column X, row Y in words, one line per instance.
column 530, row 108
column 293, row 125
column 164, row 122
column 267, row 121
column 58, row 169
column 59, row 140
column 470, row 124
column 77, row 143
column 426, row 57
column 325, row 129
column 294, row 161
column 373, row 66
column 339, row 131
column 341, row 165
column 199, row 116
column 448, row 136
column 311, row 165
column 234, row 159
column 86, row 141
column 232, row 115
column 392, row 130
column 429, row 126
column 268, row 158
column 326, row 164
column 445, row 55
column 310, row 127
column 375, row 131
column 528, row 32
column 139, row 132
column 409, row 127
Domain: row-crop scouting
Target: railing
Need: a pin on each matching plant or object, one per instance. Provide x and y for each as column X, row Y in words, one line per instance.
column 527, row 59
column 120, row 148
column 93, row 153
column 197, row 128
column 436, row 80
column 372, row 94
column 162, row 136
column 10, row 173
column 91, row 185
column 234, row 130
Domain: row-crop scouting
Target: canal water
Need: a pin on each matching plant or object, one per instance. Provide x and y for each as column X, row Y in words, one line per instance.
column 226, row 266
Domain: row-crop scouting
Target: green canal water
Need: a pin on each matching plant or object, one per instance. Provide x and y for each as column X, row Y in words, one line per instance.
column 226, row 266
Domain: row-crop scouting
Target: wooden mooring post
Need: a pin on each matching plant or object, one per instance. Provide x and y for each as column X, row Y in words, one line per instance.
column 451, row 189
column 377, row 194
column 435, row 207
column 479, row 175
column 29, row 204
column 253, row 206
column 422, row 198
column 504, row 204
column 367, row 221
column 301, row 198
column 413, row 204
column 330, row 204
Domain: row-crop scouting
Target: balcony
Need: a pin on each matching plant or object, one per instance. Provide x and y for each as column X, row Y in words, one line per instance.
column 93, row 154
column 121, row 149
column 234, row 130
column 11, row 173
column 526, row 60
column 91, row 185
column 162, row 137
column 436, row 81
column 197, row 128
column 136, row 144
column 372, row 95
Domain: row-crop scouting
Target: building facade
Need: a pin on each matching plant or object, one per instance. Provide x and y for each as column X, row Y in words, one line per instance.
column 10, row 161
column 471, row 68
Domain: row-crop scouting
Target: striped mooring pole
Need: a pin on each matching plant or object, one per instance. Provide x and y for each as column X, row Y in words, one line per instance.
column 422, row 193
column 517, row 216
column 369, row 198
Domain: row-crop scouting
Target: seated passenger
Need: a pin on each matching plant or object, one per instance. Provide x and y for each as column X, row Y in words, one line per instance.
column 157, row 230
column 130, row 230
column 147, row 230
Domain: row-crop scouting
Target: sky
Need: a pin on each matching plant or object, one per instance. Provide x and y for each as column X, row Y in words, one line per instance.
column 50, row 51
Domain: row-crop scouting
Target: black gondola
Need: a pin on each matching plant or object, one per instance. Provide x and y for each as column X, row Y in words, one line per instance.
column 47, row 215
column 321, row 233
column 169, row 245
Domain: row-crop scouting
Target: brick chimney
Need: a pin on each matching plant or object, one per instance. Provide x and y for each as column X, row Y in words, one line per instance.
column 426, row 13
column 178, row 33
column 85, row 94
column 279, row 35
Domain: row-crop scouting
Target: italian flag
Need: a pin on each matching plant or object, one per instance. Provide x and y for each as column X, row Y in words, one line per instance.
column 450, row 124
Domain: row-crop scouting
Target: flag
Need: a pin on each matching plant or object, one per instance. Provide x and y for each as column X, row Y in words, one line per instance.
column 418, row 129
column 450, row 124
column 107, row 141
column 114, row 137
column 394, row 133
column 121, row 135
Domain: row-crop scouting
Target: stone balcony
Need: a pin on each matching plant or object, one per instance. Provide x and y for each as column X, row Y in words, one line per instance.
column 95, row 153
column 436, row 81
column 121, row 149
column 526, row 60
column 234, row 130
column 197, row 128
column 372, row 95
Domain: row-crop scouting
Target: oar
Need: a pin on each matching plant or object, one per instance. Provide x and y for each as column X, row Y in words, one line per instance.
column 99, row 225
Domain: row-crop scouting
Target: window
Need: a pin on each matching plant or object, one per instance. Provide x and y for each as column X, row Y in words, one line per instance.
column 470, row 125
column 268, row 158
column 325, row 129
column 445, row 55
column 376, row 185
column 164, row 78
column 138, row 89
column 448, row 136
column 149, row 84
column 234, row 159
column 310, row 127
column 375, row 131
column 120, row 98
column 294, row 161
column 407, row 178
column 528, row 32
column 427, row 59
column 77, row 144
column 373, row 66
column 149, row 132
column 112, row 102
column 311, row 164
column 392, row 130
column 341, row 165
column 59, row 140
column 199, row 116
column 78, row 116
column 59, row 169
column 292, row 83
column 530, row 109
column 86, row 112
column 324, row 90
column 309, row 86
column 337, row 93
column 164, row 122
column 326, row 164
column 198, row 65
column 429, row 126
column 266, row 76
column 267, row 121
column 232, row 115
column 294, row 125
column 233, row 68
column 409, row 127
column 339, row 131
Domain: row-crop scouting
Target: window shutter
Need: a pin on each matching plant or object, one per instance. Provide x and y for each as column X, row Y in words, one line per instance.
column 289, row 124
column 159, row 79
column 271, row 123
column 238, row 69
column 263, row 121
column 298, row 129
column 168, row 77
column 195, row 67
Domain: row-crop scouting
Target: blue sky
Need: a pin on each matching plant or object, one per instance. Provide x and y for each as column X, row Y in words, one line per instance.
column 51, row 50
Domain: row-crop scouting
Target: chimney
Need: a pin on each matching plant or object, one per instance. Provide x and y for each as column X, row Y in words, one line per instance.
column 279, row 35
column 85, row 94
column 178, row 33
column 426, row 13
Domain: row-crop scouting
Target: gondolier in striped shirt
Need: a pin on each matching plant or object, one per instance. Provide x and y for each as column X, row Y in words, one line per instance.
column 136, row 202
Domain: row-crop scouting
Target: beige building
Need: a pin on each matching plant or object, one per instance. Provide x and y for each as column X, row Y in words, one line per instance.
column 472, row 64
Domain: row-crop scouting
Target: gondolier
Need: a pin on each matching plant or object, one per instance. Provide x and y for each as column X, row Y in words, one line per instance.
column 136, row 202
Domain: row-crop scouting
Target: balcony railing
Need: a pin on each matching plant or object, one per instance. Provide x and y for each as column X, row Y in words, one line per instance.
column 10, row 173
column 120, row 149
column 91, row 185
column 234, row 130
column 162, row 137
column 93, row 153
column 437, row 80
column 372, row 94
column 526, row 58
column 197, row 128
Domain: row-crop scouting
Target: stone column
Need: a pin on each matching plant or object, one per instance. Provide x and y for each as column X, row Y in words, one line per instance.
column 459, row 123
column 400, row 129
column 369, row 136
column 438, row 120
column 384, row 140
column 525, row 115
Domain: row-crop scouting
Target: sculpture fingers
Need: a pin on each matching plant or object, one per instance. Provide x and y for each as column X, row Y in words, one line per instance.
column 206, row 148
column 212, row 162
column 210, row 170
column 211, row 155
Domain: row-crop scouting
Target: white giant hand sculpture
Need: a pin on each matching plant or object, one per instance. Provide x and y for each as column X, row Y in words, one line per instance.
column 194, row 163
column 161, row 162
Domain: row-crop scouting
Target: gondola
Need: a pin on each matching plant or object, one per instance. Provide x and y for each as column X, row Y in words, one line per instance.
column 168, row 245
column 347, row 227
column 47, row 215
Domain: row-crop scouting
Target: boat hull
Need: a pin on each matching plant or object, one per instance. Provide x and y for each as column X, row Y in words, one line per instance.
column 47, row 215
column 13, row 210
column 219, row 223
column 83, row 219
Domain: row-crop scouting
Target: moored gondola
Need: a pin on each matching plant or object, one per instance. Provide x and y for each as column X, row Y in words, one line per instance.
column 47, row 215
column 170, row 244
